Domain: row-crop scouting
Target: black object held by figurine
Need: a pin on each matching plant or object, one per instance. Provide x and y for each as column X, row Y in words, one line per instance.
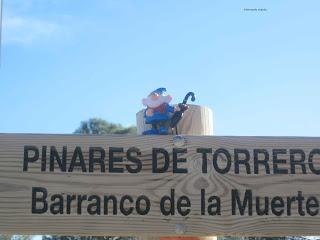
column 177, row 116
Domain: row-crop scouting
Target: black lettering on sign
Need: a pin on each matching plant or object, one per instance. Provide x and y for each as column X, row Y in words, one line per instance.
column 294, row 154
column 312, row 202
column 276, row 160
column 56, row 206
column 93, row 159
column 94, row 207
column 27, row 158
column 167, row 199
column 155, row 157
column 81, row 198
column 139, row 205
column 265, row 209
column 244, row 161
column 39, row 195
column 241, row 205
column 134, row 159
column 264, row 161
column 204, row 152
column 114, row 204
column 62, row 162
column 214, row 204
column 77, row 154
column 123, row 210
column 290, row 201
column 218, row 154
column 113, row 159
column 183, row 202
column 277, row 205
column 167, row 204
column 70, row 198
column 44, row 159
column 310, row 161
column 177, row 160
column 300, row 200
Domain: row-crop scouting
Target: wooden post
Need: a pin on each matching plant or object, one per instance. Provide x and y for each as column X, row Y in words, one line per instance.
column 197, row 120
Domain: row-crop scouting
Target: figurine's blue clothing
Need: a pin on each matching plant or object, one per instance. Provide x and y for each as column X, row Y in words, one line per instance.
column 160, row 113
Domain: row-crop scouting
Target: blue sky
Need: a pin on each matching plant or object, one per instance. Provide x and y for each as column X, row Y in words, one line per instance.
column 64, row 61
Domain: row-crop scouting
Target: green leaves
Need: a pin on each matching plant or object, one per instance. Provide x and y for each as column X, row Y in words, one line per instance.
column 15, row 237
column 99, row 126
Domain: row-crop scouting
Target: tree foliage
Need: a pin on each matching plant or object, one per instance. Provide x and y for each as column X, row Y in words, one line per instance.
column 100, row 126
column 15, row 237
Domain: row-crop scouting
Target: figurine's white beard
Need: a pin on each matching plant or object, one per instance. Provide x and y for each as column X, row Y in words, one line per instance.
column 156, row 103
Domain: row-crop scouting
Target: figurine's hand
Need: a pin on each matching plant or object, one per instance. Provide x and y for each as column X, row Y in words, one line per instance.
column 181, row 107
column 149, row 112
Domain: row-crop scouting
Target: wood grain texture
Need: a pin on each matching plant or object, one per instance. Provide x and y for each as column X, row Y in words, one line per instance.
column 197, row 121
column 16, row 185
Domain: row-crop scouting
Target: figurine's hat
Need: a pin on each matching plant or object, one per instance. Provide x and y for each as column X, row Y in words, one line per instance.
column 160, row 91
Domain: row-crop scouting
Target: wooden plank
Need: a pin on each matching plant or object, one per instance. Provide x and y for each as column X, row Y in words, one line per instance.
column 16, row 186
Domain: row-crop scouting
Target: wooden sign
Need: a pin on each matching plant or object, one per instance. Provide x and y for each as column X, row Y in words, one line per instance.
column 160, row 185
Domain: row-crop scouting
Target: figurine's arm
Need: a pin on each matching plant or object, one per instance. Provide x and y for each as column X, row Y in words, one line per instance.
column 149, row 112
column 170, row 108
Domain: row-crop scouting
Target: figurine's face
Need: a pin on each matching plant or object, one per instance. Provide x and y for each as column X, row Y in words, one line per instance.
column 155, row 100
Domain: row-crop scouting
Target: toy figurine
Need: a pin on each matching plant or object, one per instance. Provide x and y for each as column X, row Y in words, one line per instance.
column 160, row 114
